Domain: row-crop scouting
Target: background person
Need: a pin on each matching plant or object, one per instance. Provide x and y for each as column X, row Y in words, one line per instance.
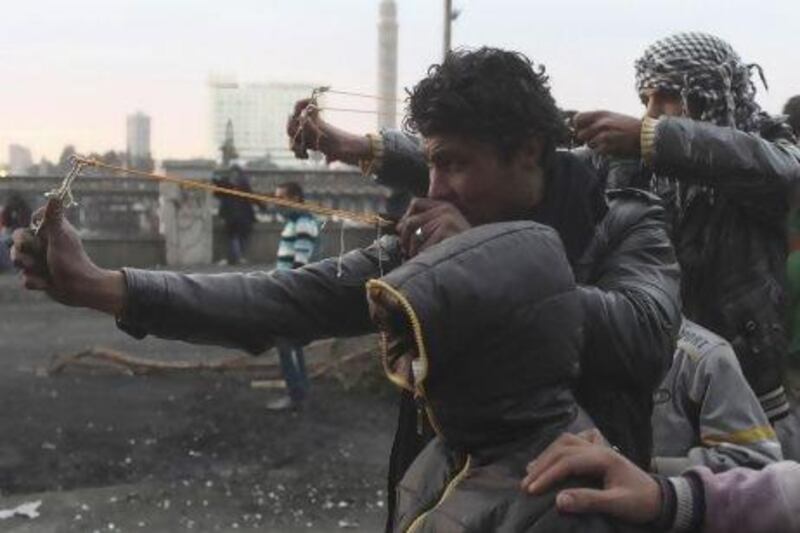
column 725, row 170
column 14, row 215
column 297, row 243
column 705, row 413
column 238, row 214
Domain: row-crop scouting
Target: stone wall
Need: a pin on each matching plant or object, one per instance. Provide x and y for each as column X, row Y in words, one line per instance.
column 263, row 244
column 107, row 206
column 149, row 252
column 141, row 252
column 130, row 221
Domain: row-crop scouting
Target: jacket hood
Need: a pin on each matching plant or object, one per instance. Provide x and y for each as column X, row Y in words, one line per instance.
column 485, row 329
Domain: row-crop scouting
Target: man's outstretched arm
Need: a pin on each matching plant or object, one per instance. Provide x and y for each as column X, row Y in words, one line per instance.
column 393, row 157
column 241, row 310
column 402, row 164
column 248, row 311
column 743, row 164
column 739, row 162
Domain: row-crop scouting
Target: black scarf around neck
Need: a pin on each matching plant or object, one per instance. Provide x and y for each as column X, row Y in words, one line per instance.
column 574, row 202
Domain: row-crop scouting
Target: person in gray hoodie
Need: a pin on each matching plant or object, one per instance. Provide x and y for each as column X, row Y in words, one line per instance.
column 705, row 412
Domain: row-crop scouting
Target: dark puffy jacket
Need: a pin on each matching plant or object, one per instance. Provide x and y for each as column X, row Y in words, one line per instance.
column 727, row 193
column 491, row 358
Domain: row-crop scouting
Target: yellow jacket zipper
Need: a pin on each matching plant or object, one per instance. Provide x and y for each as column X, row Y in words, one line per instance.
column 417, row 523
column 418, row 389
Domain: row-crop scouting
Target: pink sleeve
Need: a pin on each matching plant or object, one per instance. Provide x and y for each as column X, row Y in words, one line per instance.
column 746, row 500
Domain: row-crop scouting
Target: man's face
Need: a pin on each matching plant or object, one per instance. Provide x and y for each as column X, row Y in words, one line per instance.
column 481, row 184
column 667, row 103
column 660, row 103
column 283, row 193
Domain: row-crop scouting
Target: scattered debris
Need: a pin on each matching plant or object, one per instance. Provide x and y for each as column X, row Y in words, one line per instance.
column 106, row 358
column 25, row 510
column 270, row 384
column 101, row 358
column 202, row 451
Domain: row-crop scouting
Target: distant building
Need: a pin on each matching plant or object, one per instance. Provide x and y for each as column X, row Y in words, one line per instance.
column 138, row 141
column 257, row 112
column 387, row 65
column 19, row 160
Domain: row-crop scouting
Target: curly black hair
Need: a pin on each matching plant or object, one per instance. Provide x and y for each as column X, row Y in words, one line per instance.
column 491, row 95
column 792, row 111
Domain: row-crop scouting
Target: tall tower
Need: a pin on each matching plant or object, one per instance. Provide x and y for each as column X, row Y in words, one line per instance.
column 138, row 138
column 387, row 65
column 138, row 141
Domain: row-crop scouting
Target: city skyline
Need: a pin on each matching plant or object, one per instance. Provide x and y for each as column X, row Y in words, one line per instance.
column 66, row 85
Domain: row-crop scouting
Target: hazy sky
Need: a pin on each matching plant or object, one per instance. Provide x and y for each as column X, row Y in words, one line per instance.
column 72, row 71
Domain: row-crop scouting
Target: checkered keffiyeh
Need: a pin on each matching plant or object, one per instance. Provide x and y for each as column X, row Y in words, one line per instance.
column 702, row 66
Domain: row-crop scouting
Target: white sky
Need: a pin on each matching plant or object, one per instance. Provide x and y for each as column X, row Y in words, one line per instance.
column 72, row 70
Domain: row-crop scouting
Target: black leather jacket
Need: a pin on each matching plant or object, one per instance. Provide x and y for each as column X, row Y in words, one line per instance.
column 492, row 360
column 629, row 281
column 727, row 193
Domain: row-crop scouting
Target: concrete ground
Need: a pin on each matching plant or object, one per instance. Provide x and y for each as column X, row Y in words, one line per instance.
column 109, row 452
column 104, row 451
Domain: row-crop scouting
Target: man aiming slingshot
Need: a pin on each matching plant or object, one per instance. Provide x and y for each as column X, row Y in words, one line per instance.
column 490, row 128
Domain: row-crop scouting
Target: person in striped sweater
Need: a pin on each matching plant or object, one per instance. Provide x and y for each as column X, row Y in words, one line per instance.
column 298, row 240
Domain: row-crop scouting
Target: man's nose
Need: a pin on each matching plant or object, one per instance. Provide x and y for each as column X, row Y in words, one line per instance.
column 439, row 187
